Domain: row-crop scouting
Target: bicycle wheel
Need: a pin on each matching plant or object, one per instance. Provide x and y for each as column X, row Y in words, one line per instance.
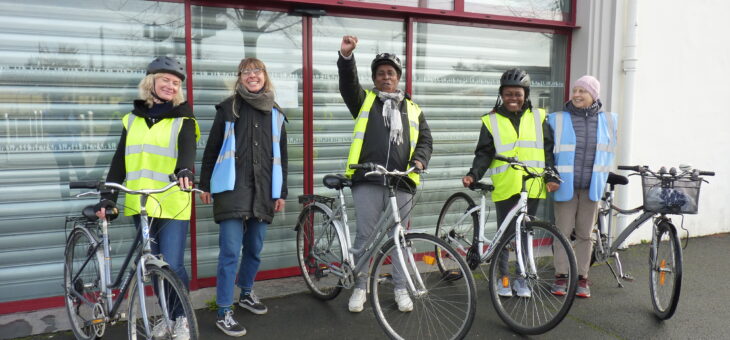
column 665, row 276
column 536, row 310
column 82, row 282
column 318, row 252
column 454, row 227
column 163, row 290
column 443, row 305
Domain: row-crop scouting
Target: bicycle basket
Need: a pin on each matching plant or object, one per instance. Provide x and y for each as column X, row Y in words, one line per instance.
column 673, row 196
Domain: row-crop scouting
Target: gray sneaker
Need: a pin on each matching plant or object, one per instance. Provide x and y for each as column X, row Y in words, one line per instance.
column 584, row 289
column 520, row 286
column 560, row 287
column 504, row 289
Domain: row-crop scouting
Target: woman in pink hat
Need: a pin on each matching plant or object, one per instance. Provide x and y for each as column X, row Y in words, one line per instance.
column 585, row 143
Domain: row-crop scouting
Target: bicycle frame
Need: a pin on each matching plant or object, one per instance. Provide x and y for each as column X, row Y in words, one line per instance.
column 339, row 220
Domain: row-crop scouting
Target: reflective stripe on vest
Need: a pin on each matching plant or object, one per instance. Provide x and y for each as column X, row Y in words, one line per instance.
column 527, row 146
column 361, row 123
column 277, row 178
column 150, row 157
column 564, row 151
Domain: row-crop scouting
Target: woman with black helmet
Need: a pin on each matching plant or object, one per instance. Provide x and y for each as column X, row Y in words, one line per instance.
column 145, row 157
column 393, row 133
column 513, row 129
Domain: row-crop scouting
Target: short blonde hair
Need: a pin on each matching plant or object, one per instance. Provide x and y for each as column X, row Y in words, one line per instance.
column 253, row 63
column 146, row 85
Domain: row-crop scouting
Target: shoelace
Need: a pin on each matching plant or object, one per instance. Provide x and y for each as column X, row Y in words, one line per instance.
column 254, row 298
column 228, row 319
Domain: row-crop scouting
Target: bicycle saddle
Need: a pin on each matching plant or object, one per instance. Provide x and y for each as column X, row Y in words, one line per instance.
column 336, row 181
column 614, row 179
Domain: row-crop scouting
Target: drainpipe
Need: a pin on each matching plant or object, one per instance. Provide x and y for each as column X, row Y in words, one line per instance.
column 629, row 65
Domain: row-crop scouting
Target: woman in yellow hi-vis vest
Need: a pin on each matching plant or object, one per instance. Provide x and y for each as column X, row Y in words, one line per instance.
column 513, row 128
column 158, row 139
column 390, row 130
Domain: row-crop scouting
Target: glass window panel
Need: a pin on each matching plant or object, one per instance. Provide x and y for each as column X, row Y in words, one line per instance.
column 221, row 38
column 558, row 10
column 333, row 123
column 435, row 4
column 68, row 73
column 456, row 78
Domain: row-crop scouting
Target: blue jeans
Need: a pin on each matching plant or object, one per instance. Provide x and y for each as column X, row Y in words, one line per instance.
column 236, row 234
column 170, row 239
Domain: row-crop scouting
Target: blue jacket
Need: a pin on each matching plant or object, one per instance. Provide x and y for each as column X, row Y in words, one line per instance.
column 564, row 150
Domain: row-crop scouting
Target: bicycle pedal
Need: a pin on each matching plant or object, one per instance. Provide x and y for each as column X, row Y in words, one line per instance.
column 385, row 277
column 321, row 272
column 452, row 275
column 628, row 277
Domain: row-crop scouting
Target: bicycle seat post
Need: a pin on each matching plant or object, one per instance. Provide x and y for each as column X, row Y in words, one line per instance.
column 144, row 224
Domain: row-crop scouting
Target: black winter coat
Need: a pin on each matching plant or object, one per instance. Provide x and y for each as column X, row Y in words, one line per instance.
column 251, row 196
column 376, row 147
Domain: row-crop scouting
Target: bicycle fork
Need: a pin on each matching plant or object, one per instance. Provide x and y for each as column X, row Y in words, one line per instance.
column 397, row 235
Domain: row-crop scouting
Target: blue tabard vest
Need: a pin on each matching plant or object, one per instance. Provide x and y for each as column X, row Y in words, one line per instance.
column 564, row 151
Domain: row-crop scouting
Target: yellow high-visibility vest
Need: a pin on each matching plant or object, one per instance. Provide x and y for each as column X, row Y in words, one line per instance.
column 361, row 123
column 527, row 146
column 150, row 157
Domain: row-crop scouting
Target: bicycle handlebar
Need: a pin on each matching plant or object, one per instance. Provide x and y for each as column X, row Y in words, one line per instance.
column 687, row 171
column 101, row 185
column 514, row 162
column 377, row 169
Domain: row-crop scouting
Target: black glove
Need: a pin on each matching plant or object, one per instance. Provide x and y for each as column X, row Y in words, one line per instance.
column 186, row 173
column 110, row 208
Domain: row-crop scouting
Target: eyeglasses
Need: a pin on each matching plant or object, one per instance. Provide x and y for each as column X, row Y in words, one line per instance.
column 248, row 71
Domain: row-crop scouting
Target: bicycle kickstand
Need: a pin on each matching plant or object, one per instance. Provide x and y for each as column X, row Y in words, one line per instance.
column 620, row 275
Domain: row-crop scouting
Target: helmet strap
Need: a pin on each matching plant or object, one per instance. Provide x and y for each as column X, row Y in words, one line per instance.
column 154, row 94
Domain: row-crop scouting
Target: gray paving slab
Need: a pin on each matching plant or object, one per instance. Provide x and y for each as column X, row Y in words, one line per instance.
column 612, row 312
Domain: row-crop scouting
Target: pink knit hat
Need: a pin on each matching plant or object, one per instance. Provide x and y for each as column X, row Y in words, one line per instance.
column 591, row 85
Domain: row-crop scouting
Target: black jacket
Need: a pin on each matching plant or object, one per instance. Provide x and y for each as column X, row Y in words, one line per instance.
column 186, row 142
column 485, row 151
column 376, row 146
column 251, row 196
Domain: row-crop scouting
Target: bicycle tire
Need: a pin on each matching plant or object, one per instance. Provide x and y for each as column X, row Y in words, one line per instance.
column 83, row 260
column 449, row 228
column 173, row 294
column 665, row 275
column 541, row 311
column 445, row 309
column 315, row 227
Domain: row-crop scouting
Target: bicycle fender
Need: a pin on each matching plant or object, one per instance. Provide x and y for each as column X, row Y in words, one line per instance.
column 324, row 207
column 152, row 260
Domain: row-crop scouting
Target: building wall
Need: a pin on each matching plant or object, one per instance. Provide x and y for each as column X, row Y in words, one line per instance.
column 678, row 114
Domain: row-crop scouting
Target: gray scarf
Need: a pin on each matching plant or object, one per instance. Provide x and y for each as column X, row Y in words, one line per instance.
column 391, row 114
column 263, row 100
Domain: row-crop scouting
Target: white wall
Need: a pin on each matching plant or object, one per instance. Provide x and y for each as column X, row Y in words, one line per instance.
column 681, row 112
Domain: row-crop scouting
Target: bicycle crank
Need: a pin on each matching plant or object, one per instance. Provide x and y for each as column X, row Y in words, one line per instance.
column 472, row 258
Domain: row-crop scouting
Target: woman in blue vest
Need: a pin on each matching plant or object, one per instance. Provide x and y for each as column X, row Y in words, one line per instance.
column 161, row 110
column 245, row 206
column 391, row 131
column 585, row 140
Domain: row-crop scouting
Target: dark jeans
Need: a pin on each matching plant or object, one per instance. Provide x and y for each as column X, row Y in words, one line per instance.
column 237, row 236
column 503, row 208
column 170, row 237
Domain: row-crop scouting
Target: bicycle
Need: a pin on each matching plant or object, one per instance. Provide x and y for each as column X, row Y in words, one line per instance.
column 664, row 192
column 514, row 258
column 443, row 304
column 91, row 298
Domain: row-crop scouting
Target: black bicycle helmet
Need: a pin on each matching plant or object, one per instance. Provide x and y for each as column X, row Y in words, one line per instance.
column 165, row 64
column 515, row 77
column 386, row 58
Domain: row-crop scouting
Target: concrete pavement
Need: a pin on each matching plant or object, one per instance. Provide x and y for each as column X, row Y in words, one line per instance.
column 612, row 312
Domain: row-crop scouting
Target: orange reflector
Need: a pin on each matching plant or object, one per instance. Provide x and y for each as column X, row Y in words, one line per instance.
column 428, row 259
column 505, row 281
column 662, row 273
column 95, row 321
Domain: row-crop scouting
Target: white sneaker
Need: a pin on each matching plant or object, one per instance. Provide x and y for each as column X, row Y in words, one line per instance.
column 405, row 304
column 162, row 329
column 357, row 300
column 504, row 290
column 521, row 288
column 181, row 330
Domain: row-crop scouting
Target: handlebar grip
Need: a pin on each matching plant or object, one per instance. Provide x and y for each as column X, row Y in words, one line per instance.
column 707, row 173
column 635, row 168
column 364, row 166
column 505, row 159
column 84, row 185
